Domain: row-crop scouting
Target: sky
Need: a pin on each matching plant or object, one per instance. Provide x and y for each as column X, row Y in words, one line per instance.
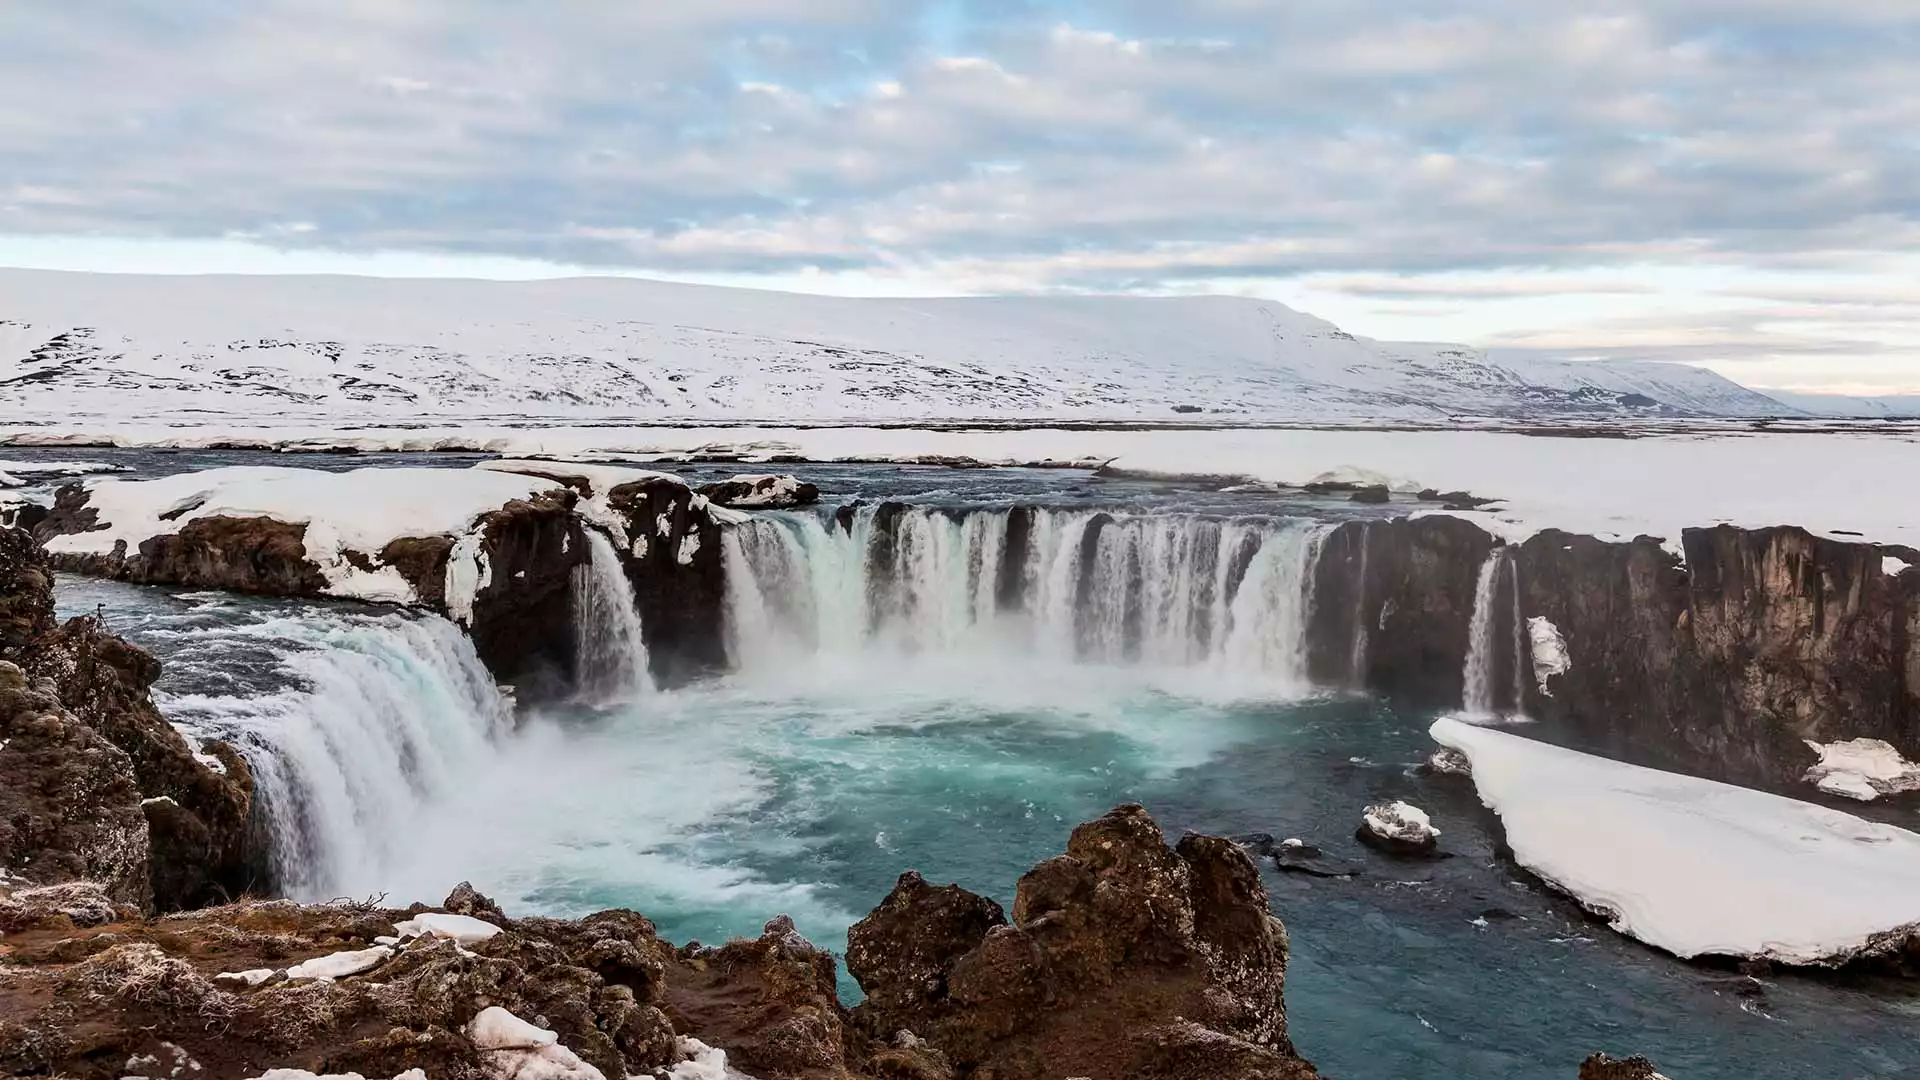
column 1734, row 183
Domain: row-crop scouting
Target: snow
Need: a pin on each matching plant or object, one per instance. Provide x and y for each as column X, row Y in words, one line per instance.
column 701, row 1062
column 1691, row 866
column 1666, row 478
column 250, row 977
column 1893, row 567
column 1549, row 651
column 341, row 964
column 767, row 491
column 302, row 1074
column 463, row 929
column 467, row 573
column 122, row 347
column 15, row 474
column 1401, row 821
column 517, row 1050
column 362, row 511
column 213, row 764
column 1862, row 769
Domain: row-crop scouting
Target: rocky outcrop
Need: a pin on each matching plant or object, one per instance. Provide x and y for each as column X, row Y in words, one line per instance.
column 1602, row 1067
column 1123, row 958
column 99, row 785
column 761, row 492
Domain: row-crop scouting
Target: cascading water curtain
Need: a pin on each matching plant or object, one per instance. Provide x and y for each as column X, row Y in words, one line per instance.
column 385, row 715
column 1158, row 590
column 610, row 645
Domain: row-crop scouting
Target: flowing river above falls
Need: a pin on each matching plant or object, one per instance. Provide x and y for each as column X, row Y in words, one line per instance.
column 923, row 722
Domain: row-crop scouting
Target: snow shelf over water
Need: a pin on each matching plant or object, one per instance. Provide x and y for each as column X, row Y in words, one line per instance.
column 1694, row 867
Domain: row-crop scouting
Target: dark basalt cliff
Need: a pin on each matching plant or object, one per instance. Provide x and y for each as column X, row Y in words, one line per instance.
column 97, row 784
column 1723, row 664
column 1125, row 960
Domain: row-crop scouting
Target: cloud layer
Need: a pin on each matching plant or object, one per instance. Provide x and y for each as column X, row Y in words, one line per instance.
column 990, row 144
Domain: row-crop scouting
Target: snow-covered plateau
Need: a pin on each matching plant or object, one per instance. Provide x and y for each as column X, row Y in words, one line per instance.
column 127, row 347
column 1694, row 867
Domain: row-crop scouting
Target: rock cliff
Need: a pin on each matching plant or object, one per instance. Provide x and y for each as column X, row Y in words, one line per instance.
column 1725, row 663
column 98, row 785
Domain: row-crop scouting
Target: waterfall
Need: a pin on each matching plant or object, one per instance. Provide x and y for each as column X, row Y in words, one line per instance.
column 1357, row 651
column 1478, row 696
column 1522, row 641
column 610, row 648
column 1172, row 591
column 379, row 717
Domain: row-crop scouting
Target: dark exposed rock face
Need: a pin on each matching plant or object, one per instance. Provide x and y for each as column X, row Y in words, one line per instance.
column 1108, row 944
column 1125, row 959
column 1392, row 603
column 1602, row 1067
column 101, row 787
column 1722, row 664
column 1726, row 665
column 678, row 576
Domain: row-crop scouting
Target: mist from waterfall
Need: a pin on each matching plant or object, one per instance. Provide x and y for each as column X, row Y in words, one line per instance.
column 1163, row 591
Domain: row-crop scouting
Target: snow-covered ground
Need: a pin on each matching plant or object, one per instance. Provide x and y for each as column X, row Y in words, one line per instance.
column 359, row 511
column 1691, row 866
column 1611, row 487
column 116, row 348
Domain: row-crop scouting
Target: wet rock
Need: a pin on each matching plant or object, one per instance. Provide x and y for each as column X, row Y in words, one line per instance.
column 1107, row 945
column 1376, row 494
column 1399, row 829
column 466, row 900
column 1602, row 1067
column 762, row 493
column 1298, row 857
column 1446, row 761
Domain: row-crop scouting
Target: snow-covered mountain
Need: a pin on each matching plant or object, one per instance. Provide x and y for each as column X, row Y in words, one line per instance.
column 1890, row 407
column 78, row 346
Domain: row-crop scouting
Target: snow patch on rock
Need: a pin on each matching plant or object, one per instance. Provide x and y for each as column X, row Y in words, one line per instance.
column 517, row 1050
column 701, row 1062
column 462, row 929
column 341, row 964
column 1402, row 822
column 1696, row 867
column 1894, row 567
column 1862, row 769
column 1549, row 651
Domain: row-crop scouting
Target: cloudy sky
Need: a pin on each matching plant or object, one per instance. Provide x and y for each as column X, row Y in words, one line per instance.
column 1729, row 182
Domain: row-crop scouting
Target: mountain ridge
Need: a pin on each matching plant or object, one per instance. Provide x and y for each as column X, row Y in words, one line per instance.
column 94, row 345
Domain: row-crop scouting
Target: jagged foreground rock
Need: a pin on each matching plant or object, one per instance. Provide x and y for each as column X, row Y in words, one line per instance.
column 1125, row 960
column 95, row 784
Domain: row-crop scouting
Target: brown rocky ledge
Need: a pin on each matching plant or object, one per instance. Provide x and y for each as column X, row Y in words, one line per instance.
column 95, row 784
column 1125, row 960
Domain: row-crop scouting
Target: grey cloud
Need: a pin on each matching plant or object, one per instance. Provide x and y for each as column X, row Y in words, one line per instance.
column 1144, row 145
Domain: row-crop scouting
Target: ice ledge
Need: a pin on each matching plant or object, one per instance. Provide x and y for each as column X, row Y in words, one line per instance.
column 1695, row 867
